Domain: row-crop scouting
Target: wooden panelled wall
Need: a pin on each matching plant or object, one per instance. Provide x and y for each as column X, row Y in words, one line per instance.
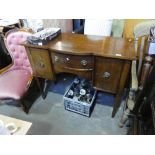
column 129, row 26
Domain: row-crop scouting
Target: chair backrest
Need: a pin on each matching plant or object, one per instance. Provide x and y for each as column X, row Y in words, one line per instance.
column 18, row 53
column 141, row 34
column 141, row 45
column 129, row 25
column 98, row 27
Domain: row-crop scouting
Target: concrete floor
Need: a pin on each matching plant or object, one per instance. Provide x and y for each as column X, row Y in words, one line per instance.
column 50, row 118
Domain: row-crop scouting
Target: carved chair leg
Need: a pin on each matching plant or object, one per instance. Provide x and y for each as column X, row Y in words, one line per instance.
column 129, row 107
column 45, row 89
column 124, row 118
column 38, row 84
column 25, row 105
column 26, row 110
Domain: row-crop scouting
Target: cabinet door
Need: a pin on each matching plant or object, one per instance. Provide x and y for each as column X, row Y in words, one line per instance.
column 107, row 74
column 41, row 63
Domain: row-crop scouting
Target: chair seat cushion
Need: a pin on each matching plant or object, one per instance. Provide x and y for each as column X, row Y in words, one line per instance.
column 14, row 83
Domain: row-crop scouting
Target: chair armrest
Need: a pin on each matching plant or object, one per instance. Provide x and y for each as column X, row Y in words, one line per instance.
column 5, row 68
column 29, row 81
column 134, row 80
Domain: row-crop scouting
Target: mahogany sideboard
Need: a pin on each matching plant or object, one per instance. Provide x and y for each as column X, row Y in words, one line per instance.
column 104, row 60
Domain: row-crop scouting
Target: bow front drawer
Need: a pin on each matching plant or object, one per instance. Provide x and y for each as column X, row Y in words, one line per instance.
column 72, row 61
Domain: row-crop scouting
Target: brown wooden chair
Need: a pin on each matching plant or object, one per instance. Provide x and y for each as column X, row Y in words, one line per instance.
column 140, row 70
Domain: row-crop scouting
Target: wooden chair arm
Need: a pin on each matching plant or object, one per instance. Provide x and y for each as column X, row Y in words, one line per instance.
column 134, row 79
column 5, row 68
column 29, row 81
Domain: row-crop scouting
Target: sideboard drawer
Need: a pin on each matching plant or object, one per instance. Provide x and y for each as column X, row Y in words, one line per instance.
column 107, row 74
column 72, row 61
column 41, row 63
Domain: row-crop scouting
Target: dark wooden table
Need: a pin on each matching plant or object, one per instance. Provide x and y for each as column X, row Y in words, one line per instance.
column 104, row 60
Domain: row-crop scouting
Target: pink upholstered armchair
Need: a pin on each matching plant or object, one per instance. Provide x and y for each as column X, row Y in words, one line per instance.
column 16, row 78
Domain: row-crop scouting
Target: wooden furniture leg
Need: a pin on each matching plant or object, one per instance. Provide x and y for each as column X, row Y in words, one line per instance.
column 45, row 89
column 123, row 79
column 39, row 85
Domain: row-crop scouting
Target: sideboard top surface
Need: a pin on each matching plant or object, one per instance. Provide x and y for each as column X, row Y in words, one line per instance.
column 79, row 44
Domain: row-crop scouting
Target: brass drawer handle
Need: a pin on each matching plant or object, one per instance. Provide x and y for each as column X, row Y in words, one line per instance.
column 84, row 62
column 41, row 64
column 67, row 60
column 106, row 75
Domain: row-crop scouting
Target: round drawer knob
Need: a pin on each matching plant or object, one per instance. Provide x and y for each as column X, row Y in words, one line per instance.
column 106, row 75
column 84, row 62
column 67, row 59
